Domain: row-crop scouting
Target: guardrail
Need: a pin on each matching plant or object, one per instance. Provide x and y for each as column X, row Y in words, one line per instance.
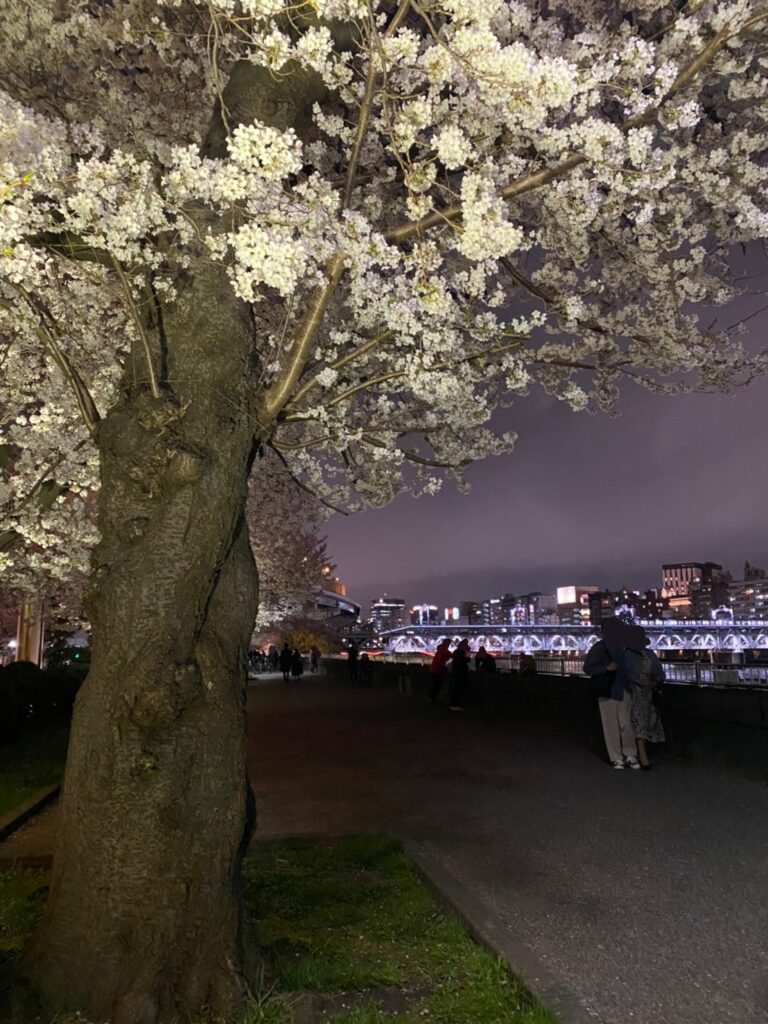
column 687, row 673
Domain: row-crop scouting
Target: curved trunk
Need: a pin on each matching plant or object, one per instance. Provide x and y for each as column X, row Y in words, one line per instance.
column 143, row 922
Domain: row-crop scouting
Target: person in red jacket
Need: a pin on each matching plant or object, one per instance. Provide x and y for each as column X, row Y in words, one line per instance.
column 438, row 668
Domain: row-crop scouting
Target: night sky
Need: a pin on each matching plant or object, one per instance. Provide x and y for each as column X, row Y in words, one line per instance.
column 583, row 499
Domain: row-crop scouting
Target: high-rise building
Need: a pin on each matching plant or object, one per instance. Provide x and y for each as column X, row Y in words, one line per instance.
column 544, row 610
column 647, row 605
column 493, row 613
column 751, row 572
column 508, row 610
column 387, row 613
column 748, row 599
column 707, row 596
column 573, row 605
column 424, row 615
column 679, row 579
column 472, row 612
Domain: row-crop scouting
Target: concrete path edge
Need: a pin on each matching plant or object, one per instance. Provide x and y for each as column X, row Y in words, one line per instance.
column 20, row 815
column 486, row 929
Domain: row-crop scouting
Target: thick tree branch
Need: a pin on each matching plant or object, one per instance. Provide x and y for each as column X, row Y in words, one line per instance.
column 139, row 326
column 362, row 127
column 397, row 19
column 277, row 395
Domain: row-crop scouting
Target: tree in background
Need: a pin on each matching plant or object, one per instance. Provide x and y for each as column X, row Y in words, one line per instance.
column 290, row 554
column 303, row 634
column 346, row 231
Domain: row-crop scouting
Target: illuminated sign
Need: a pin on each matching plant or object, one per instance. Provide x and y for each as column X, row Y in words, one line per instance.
column 566, row 595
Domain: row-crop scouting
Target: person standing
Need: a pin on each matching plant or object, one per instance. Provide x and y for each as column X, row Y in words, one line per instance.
column 353, row 652
column 485, row 669
column 285, row 662
column 527, row 666
column 647, row 674
column 605, row 664
column 297, row 664
column 273, row 658
column 366, row 677
column 459, row 676
column 438, row 668
column 314, row 658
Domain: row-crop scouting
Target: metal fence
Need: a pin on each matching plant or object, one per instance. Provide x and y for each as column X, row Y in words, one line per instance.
column 690, row 673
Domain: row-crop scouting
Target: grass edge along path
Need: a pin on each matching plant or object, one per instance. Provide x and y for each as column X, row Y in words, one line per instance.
column 349, row 934
column 28, row 764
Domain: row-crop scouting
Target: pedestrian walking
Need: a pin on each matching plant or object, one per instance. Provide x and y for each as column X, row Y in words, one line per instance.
column 606, row 665
column 273, row 658
column 438, row 668
column 297, row 664
column 314, row 658
column 285, row 662
column 459, row 676
column 647, row 674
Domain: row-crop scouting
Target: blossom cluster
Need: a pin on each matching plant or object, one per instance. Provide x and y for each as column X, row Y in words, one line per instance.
column 518, row 197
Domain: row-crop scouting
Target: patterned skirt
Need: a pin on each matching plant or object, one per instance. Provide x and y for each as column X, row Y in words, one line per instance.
column 646, row 720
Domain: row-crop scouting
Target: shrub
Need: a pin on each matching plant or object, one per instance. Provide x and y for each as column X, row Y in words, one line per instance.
column 30, row 696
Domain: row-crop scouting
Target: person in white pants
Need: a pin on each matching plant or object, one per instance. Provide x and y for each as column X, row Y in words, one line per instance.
column 616, row 716
column 604, row 664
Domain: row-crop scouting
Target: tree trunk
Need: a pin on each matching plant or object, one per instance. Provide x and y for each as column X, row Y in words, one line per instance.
column 143, row 923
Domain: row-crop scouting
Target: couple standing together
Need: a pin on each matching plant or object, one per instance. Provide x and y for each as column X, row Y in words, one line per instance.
column 626, row 675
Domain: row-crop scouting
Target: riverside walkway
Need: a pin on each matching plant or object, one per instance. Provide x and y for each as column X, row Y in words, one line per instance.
column 645, row 896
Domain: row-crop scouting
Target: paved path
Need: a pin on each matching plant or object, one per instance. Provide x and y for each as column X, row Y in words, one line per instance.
column 645, row 894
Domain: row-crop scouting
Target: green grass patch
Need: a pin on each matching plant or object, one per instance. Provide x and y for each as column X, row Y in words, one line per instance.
column 349, row 933
column 22, row 895
column 355, row 918
column 34, row 760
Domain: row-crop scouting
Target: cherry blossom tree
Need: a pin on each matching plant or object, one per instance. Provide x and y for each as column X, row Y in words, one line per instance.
column 345, row 231
column 290, row 554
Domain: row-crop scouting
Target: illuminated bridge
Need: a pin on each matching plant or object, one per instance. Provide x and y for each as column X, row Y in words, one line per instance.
column 664, row 636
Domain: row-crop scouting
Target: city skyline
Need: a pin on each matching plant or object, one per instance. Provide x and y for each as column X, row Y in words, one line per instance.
column 689, row 489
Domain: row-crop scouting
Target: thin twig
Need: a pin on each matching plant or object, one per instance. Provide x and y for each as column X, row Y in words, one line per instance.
column 339, row 363
column 415, row 457
column 362, row 127
column 139, row 326
column 46, row 328
column 394, row 374
column 303, row 486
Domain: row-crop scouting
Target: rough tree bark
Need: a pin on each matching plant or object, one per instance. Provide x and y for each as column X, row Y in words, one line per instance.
column 143, row 920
